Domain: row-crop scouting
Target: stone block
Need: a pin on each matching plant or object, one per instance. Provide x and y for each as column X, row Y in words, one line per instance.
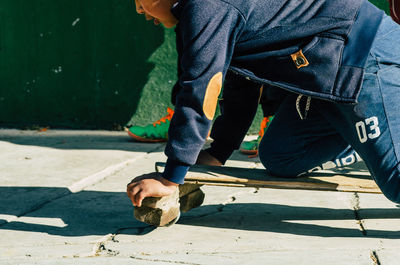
column 191, row 200
column 166, row 210
column 158, row 211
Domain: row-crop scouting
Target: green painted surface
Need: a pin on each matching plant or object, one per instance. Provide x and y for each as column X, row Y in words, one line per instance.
column 73, row 63
column 84, row 64
column 382, row 4
column 156, row 94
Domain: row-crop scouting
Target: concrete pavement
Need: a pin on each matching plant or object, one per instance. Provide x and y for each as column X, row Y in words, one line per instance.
column 63, row 201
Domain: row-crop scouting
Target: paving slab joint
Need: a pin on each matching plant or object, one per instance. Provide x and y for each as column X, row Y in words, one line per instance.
column 374, row 256
column 98, row 248
column 356, row 207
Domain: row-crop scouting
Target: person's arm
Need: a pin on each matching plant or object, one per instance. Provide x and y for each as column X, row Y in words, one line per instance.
column 208, row 33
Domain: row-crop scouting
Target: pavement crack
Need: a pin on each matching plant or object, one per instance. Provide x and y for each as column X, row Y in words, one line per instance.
column 356, row 208
column 166, row 261
column 99, row 248
column 374, row 257
column 108, row 252
column 99, row 245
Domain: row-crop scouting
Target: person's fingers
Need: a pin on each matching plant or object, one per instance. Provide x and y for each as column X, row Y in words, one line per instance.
column 131, row 185
column 148, row 185
column 139, row 198
column 134, row 191
column 129, row 188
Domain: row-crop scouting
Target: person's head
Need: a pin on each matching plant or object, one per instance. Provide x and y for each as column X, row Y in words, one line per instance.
column 159, row 10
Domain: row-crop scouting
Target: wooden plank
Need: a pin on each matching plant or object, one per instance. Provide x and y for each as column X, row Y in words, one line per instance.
column 247, row 177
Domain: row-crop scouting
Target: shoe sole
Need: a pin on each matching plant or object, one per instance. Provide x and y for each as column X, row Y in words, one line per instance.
column 145, row 140
column 248, row 152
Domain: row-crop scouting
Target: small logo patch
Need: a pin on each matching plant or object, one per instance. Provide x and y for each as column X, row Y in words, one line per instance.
column 299, row 59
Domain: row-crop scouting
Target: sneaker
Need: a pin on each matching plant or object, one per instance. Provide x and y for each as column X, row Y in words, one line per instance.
column 152, row 133
column 251, row 147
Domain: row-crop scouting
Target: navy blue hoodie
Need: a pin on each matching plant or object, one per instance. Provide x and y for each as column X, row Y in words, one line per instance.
column 316, row 48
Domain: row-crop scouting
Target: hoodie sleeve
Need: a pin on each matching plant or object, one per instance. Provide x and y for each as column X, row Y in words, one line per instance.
column 207, row 31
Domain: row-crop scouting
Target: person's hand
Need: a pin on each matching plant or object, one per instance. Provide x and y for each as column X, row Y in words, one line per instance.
column 149, row 185
column 205, row 158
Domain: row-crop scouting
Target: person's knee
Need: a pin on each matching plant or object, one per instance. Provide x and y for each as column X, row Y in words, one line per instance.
column 276, row 162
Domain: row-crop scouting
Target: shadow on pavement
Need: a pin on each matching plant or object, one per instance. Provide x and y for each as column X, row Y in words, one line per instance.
column 80, row 141
column 297, row 220
column 93, row 140
column 57, row 211
column 104, row 140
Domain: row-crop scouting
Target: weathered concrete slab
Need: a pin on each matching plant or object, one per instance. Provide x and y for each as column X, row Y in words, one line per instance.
column 266, row 256
column 118, row 182
column 379, row 217
column 72, row 226
column 388, row 255
column 38, row 167
column 61, row 158
column 235, row 225
column 95, row 225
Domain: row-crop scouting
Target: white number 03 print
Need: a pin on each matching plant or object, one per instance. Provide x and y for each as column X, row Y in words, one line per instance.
column 368, row 129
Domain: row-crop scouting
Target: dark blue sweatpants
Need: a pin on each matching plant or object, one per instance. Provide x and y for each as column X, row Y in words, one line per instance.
column 292, row 146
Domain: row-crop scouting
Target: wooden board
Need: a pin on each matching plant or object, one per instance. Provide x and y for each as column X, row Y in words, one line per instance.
column 247, row 177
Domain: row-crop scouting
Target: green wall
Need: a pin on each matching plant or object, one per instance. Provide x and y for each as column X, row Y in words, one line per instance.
column 84, row 64
column 73, row 63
